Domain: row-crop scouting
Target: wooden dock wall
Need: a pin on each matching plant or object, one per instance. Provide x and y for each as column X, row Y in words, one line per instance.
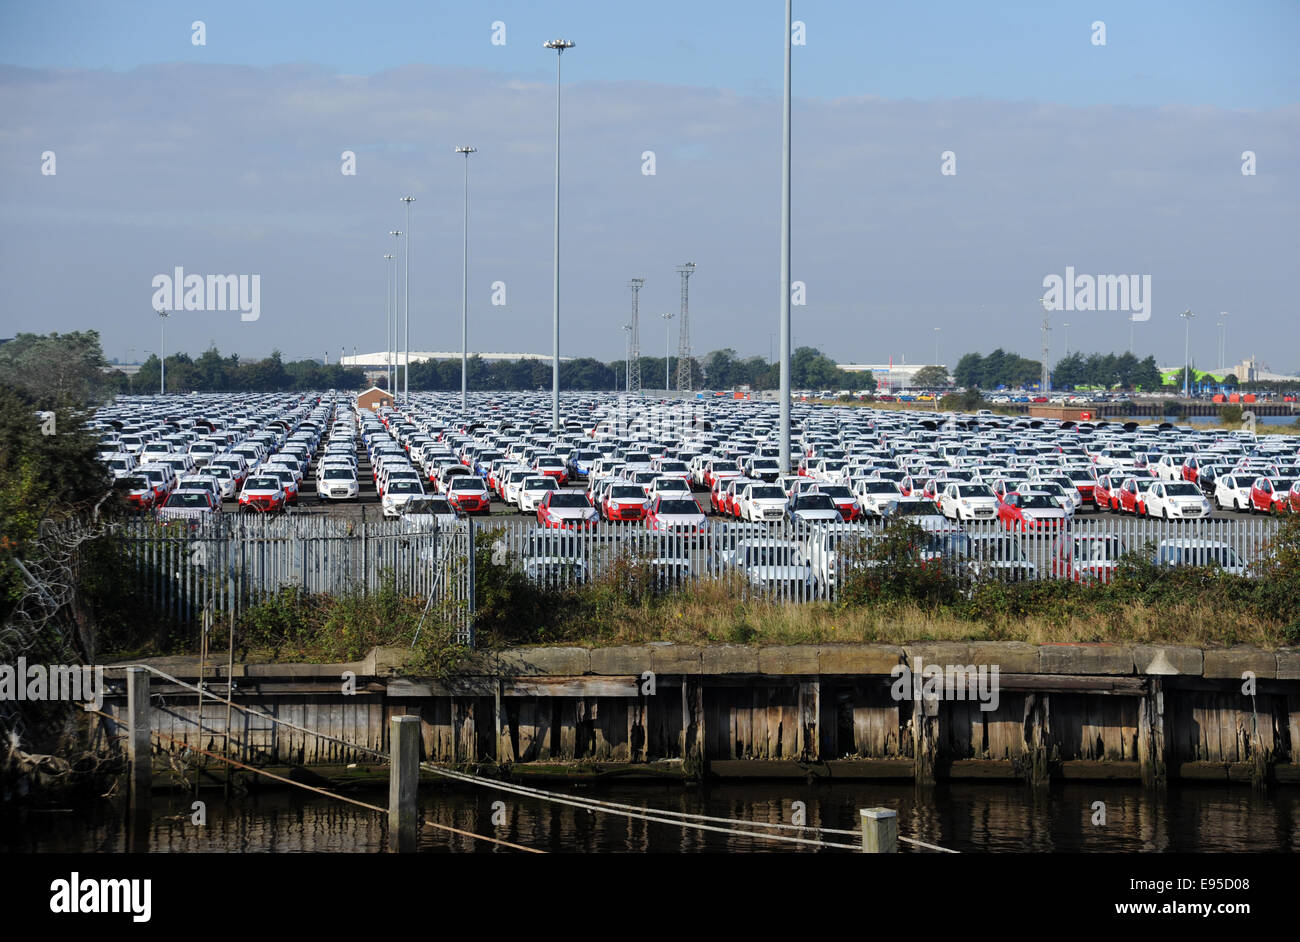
column 1064, row 711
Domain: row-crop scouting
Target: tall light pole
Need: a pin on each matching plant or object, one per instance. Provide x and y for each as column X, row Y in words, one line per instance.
column 1223, row 343
column 667, row 326
column 1187, row 357
column 1066, row 325
column 406, row 343
column 627, row 364
column 394, row 347
column 559, row 45
column 1131, row 321
column 1045, row 383
column 936, row 346
column 388, row 316
column 785, row 250
column 464, row 289
column 162, row 349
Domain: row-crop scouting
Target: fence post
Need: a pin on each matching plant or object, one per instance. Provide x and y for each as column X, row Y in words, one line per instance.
column 472, row 594
column 139, row 754
column 879, row 831
column 403, row 783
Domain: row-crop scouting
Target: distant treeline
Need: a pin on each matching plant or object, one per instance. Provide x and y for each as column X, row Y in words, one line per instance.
column 1107, row 371
column 719, row 369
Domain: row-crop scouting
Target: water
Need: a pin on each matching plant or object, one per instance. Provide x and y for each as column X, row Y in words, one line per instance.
column 1202, row 419
column 965, row 817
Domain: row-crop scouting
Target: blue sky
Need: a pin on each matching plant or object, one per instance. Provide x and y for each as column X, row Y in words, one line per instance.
column 1156, row 53
column 1118, row 159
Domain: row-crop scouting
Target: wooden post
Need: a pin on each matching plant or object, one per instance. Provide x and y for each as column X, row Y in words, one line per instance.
column 1038, row 738
column 139, row 753
column 879, row 831
column 1151, row 735
column 925, row 738
column 403, row 783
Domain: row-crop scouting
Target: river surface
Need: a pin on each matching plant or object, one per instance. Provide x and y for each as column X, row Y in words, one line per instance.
column 970, row 818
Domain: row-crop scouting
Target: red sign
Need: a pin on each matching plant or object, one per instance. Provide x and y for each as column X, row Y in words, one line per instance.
column 1085, row 415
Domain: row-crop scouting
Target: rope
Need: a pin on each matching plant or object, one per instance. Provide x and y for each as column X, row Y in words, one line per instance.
column 631, row 811
column 644, row 814
column 328, row 794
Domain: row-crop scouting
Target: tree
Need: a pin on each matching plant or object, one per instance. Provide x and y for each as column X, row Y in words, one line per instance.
column 62, row 368
column 930, row 377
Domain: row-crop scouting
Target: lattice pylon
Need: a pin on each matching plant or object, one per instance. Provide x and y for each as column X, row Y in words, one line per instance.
column 634, row 351
column 684, row 358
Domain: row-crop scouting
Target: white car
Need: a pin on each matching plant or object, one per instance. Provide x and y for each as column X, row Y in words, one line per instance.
column 338, row 483
column 876, row 495
column 960, row 501
column 533, row 491
column 1177, row 500
column 1193, row 552
column 1232, row 492
column 397, row 496
column 759, row 501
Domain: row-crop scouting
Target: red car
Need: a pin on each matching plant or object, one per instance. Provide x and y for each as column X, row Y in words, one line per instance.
column 625, row 502
column 1132, row 495
column 1030, row 511
column 843, row 500
column 1103, row 494
column 566, row 510
column 1270, row 495
column 1295, row 497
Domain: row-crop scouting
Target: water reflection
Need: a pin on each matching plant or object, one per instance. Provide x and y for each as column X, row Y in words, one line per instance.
column 979, row 818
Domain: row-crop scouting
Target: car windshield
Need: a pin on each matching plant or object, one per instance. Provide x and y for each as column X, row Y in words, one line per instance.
column 263, row 483
column 1038, row 502
column 338, row 474
column 837, row 491
column 1104, row 550
column 770, row 492
column 1199, row 556
column 778, row 555
column 428, row 505
column 135, row 484
column 1182, row 490
column 463, row 484
column 541, row 484
column 974, row 490
column 999, row 550
column 916, row 508
column 405, row 487
column 568, row 499
column 814, row 502
column 679, row 507
column 185, row 499
column 627, row 492
column 880, row 487
column 220, row 472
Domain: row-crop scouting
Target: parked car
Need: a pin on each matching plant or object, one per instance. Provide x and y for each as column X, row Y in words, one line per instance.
column 1178, row 500
column 262, row 492
column 567, row 510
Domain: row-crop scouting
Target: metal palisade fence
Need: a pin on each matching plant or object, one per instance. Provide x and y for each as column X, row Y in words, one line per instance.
column 224, row 566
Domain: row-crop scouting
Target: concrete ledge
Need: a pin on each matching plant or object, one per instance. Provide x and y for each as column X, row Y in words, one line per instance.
column 1168, row 660
column 1085, row 659
column 1230, row 663
column 526, row 662
column 858, row 659
column 1288, row 664
column 788, row 659
column 675, row 659
column 730, row 659
column 626, row 659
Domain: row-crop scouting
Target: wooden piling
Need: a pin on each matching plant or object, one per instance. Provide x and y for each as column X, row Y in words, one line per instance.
column 925, row 738
column 879, row 831
column 1152, row 757
column 139, row 751
column 403, row 783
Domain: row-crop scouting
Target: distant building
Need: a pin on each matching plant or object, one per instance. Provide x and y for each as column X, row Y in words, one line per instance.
column 887, row 375
column 374, row 398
